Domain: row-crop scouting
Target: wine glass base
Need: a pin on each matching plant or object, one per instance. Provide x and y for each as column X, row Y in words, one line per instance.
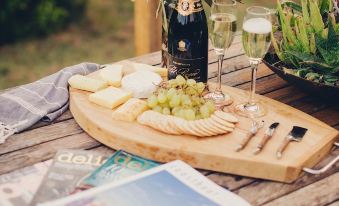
column 251, row 110
column 220, row 99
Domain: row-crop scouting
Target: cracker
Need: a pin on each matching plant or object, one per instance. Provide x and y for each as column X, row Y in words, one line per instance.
column 207, row 122
column 189, row 130
column 222, row 121
column 173, row 125
column 201, row 123
column 226, row 116
column 220, row 126
column 195, row 126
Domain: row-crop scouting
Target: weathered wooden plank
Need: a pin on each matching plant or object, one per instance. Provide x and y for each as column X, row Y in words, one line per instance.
column 65, row 116
column 152, row 58
column 319, row 193
column 103, row 150
column 242, row 76
column 330, row 114
column 265, row 83
column 37, row 153
column 40, row 135
column 231, row 65
column 230, row 182
column 260, row 192
column 287, row 94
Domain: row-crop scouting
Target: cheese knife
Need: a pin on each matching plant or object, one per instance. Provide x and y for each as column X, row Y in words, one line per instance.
column 253, row 131
column 296, row 134
column 268, row 134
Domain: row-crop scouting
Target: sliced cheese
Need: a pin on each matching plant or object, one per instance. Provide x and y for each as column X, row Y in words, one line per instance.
column 130, row 110
column 86, row 83
column 145, row 67
column 112, row 74
column 110, row 97
column 142, row 83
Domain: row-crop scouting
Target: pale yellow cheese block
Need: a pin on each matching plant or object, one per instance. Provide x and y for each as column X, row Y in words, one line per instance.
column 110, row 97
column 112, row 74
column 86, row 83
column 130, row 110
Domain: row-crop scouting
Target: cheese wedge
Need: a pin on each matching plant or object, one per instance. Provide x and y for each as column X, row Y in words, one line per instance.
column 86, row 83
column 145, row 67
column 112, row 74
column 130, row 110
column 110, row 97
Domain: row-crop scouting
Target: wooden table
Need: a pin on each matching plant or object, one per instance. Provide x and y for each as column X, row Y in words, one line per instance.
column 41, row 141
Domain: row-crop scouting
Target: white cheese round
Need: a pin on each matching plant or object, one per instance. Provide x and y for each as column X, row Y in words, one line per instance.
column 142, row 84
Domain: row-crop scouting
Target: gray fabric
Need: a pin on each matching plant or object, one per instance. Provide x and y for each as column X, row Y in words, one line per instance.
column 45, row 100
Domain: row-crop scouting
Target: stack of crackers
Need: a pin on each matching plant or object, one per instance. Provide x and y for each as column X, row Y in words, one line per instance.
column 217, row 124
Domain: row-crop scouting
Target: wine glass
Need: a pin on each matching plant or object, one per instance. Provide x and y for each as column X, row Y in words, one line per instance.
column 222, row 26
column 256, row 39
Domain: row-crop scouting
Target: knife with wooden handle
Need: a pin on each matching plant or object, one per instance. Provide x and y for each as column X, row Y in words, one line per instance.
column 296, row 134
column 253, row 131
column 268, row 135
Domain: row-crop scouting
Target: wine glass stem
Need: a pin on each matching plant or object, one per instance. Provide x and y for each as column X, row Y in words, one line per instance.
column 254, row 67
column 220, row 61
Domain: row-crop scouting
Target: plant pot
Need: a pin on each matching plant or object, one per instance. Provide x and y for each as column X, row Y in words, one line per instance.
column 313, row 88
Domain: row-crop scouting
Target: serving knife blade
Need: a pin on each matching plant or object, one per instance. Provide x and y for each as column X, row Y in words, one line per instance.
column 296, row 134
column 268, row 134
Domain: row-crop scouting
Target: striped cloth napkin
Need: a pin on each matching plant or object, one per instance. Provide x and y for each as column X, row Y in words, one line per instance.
column 45, row 100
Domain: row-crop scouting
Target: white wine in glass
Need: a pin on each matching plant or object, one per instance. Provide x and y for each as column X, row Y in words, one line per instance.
column 256, row 39
column 222, row 26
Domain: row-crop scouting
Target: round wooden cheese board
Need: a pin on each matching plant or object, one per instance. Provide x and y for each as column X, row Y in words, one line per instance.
column 215, row 153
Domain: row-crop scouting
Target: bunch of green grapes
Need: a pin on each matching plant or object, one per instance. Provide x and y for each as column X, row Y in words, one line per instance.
column 182, row 98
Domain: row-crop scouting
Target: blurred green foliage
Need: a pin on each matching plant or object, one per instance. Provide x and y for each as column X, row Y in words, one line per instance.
column 21, row 19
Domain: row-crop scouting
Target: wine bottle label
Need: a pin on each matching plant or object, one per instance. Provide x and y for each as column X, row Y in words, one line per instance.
column 188, row 68
column 187, row 7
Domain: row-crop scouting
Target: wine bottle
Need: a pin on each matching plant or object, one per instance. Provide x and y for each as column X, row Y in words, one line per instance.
column 188, row 41
column 169, row 6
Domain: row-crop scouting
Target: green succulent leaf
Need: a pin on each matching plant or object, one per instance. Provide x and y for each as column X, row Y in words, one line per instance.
column 293, row 5
column 325, row 6
column 315, row 17
column 314, row 62
column 305, row 12
column 312, row 76
column 329, row 47
column 331, row 80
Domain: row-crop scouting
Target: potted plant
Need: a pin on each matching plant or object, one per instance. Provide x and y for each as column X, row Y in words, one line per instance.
column 306, row 45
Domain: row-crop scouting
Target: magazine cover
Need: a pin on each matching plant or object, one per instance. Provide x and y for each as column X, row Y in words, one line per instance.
column 69, row 168
column 174, row 183
column 121, row 165
column 18, row 188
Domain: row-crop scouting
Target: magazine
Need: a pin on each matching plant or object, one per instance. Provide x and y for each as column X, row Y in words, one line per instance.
column 68, row 169
column 18, row 188
column 174, row 183
column 122, row 164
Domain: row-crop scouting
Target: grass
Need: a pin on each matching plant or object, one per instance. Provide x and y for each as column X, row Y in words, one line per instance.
column 105, row 36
